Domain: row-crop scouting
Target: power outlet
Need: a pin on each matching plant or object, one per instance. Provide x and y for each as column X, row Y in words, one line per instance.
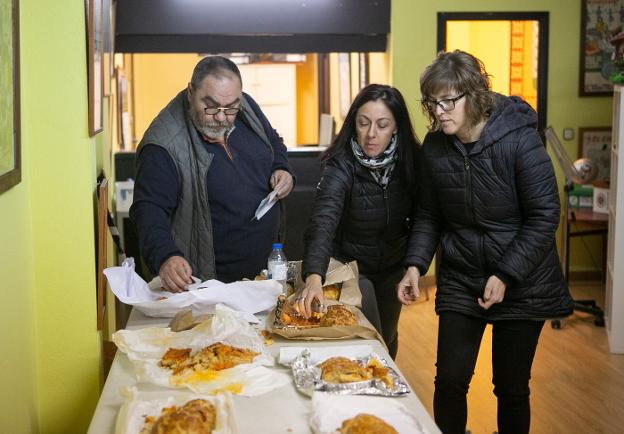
column 568, row 133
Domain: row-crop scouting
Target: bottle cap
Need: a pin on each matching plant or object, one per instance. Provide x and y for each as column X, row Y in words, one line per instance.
column 277, row 245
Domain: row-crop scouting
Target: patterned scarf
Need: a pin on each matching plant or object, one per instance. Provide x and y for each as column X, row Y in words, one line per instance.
column 381, row 166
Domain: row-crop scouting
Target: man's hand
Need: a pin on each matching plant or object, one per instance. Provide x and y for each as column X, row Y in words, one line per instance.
column 407, row 288
column 494, row 292
column 175, row 274
column 282, row 182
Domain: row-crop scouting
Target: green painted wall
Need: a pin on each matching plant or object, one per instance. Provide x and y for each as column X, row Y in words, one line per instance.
column 18, row 401
column 49, row 371
column 413, row 47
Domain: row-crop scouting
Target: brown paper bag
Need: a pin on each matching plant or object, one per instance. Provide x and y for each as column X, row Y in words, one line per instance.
column 338, row 273
column 184, row 320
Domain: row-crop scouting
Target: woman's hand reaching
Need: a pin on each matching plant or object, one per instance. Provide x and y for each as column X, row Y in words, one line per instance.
column 304, row 299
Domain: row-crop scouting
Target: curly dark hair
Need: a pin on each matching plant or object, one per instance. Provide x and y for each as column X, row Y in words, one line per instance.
column 463, row 73
column 407, row 143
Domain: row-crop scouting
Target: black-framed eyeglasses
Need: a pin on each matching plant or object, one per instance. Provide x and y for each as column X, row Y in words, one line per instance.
column 446, row 104
column 228, row 111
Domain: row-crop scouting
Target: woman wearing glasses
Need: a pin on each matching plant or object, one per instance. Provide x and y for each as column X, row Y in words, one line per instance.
column 490, row 198
column 363, row 205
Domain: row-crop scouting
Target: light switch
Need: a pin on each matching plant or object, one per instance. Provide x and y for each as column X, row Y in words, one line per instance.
column 568, row 133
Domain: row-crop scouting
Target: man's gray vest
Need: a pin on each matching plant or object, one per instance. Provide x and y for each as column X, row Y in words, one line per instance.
column 191, row 225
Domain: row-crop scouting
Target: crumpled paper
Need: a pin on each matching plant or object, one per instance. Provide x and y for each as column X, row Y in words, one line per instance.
column 138, row 405
column 346, row 275
column 329, row 411
column 145, row 348
column 245, row 296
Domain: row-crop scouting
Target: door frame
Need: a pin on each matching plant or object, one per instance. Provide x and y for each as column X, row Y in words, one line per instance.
column 542, row 57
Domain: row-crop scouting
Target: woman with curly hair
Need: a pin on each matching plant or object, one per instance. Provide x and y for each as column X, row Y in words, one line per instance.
column 489, row 198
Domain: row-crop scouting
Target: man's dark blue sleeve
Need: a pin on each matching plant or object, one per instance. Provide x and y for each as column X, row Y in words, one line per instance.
column 280, row 152
column 155, row 198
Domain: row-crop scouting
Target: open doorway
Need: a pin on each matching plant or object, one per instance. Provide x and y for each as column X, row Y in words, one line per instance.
column 512, row 45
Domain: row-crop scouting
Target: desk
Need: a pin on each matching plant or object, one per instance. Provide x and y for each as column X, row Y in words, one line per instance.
column 283, row 410
column 598, row 225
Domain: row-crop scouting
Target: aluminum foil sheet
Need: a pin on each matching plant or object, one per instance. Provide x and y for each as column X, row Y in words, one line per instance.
column 308, row 379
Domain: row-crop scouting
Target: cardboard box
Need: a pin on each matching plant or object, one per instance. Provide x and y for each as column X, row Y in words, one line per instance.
column 601, row 200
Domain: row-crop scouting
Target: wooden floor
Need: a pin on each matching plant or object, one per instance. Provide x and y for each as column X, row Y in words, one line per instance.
column 577, row 386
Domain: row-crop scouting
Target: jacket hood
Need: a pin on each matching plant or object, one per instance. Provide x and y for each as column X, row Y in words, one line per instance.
column 510, row 113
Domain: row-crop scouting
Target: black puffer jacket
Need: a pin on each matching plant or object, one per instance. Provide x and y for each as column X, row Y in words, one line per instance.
column 355, row 219
column 494, row 210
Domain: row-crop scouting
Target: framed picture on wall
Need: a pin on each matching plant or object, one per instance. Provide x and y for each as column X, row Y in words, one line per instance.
column 595, row 144
column 601, row 20
column 108, row 35
column 95, row 54
column 10, row 164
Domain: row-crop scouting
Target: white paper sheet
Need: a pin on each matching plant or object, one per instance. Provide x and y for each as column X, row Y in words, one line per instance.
column 329, row 411
column 245, row 296
column 138, row 405
column 265, row 205
column 145, row 347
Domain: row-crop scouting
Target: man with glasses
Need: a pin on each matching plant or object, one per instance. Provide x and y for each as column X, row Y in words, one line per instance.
column 203, row 166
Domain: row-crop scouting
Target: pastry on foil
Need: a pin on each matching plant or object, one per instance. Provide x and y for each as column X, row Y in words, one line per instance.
column 343, row 370
column 339, row 370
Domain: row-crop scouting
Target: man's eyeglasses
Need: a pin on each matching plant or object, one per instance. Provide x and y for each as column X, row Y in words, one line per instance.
column 447, row 104
column 228, row 111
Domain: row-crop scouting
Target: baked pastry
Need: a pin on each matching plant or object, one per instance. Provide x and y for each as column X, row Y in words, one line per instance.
column 289, row 315
column 195, row 417
column 216, row 357
column 338, row 370
column 380, row 372
column 343, row 370
column 337, row 314
column 366, row 424
column 176, row 358
column 219, row 356
column 331, row 292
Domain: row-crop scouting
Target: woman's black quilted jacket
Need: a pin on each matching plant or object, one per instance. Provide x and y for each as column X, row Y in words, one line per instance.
column 495, row 209
column 355, row 219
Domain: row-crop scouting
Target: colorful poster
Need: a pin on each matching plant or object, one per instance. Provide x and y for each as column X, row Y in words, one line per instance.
column 601, row 21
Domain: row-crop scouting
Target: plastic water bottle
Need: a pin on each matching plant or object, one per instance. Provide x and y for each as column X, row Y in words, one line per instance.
column 278, row 266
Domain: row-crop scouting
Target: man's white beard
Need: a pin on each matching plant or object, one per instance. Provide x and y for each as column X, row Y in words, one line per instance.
column 212, row 130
